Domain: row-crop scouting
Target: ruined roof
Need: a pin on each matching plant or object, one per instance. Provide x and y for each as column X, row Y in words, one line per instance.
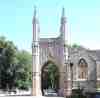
column 46, row 40
column 95, row 54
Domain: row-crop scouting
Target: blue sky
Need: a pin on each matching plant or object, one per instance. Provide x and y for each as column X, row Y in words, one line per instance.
column 83, row 19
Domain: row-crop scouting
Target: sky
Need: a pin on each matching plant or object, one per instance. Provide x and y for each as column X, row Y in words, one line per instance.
column 83, row 20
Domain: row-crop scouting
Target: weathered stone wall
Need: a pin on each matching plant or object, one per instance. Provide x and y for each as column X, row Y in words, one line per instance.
column 89, row 84
column 53, row 50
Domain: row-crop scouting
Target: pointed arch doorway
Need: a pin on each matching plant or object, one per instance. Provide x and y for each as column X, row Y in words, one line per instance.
column 49, row 77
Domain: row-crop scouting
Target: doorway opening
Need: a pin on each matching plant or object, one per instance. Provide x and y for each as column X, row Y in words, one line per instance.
column 49, row 78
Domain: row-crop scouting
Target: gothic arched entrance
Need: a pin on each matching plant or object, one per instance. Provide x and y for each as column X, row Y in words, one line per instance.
column 49, row 77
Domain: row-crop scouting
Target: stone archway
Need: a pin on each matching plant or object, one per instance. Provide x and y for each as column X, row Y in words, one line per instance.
column 49, row 76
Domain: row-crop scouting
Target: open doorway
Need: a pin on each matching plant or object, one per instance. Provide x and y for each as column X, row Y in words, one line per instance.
column 49, row 78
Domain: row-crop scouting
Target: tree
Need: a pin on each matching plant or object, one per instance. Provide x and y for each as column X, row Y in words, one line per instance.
column 75, row 45
column 15, row 66
column 53, row 75
column 24, row 70
column 7, row 61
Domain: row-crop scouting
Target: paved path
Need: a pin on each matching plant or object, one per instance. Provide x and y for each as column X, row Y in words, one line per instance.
column 28, row 97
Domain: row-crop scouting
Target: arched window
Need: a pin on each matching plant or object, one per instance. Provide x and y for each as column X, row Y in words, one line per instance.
column 83, row 69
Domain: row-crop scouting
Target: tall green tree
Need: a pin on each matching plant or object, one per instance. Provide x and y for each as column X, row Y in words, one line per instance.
column 15, row 66
column 51, row 75
column 24, row 70
column 7, row 62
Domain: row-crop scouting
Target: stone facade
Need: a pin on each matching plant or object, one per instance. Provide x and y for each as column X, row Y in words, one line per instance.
column 57, row 51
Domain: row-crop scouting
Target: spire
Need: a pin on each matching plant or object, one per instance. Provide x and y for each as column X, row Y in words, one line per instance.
column 34, row 16
column 63, row 12
column 36, row 27
column 63, row 17
column 34, row 11
column 63, row 23
column 36, row 89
